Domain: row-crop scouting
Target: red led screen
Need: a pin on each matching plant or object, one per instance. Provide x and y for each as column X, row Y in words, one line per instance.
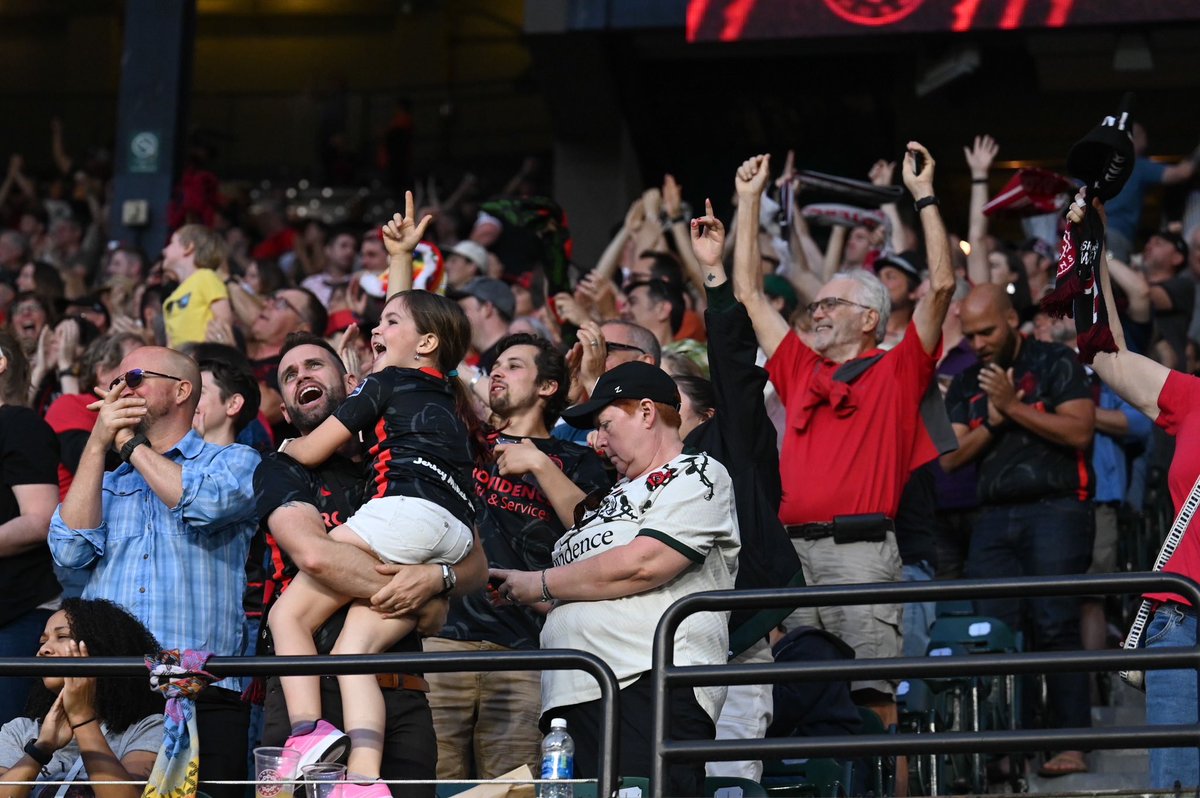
column 730, row 20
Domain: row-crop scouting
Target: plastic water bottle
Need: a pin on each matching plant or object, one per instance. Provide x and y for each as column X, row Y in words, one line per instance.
column 558, row 761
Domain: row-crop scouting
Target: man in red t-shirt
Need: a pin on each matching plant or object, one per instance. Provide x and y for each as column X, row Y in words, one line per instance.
column 854, row 431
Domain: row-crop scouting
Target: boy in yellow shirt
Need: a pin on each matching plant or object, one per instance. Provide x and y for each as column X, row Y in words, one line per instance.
column 193, row 254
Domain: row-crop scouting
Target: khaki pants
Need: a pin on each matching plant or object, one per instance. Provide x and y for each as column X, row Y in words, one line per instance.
column 487, row 721
column 872, row 630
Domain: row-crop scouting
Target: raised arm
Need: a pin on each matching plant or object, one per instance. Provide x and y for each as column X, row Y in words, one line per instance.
column 804, row 252
column 1183, row 171
column 802, row 249
column 1136, row 379
column 769, row 327
column 610, row 259
column 649, row 236
column 833, row 252
column 677, row 228
column 61, row 159
column 1135, row 286
column 881, row 175
column 401, row 234
column 737, row 379
column 931, row 310
column 979, row 158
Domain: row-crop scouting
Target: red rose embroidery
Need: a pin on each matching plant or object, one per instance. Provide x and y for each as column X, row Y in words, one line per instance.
column 659, row 478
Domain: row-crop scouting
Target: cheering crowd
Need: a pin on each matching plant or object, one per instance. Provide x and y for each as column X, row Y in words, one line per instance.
column 435, row 430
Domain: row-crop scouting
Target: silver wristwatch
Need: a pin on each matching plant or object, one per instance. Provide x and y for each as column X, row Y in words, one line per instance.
column 449, row 579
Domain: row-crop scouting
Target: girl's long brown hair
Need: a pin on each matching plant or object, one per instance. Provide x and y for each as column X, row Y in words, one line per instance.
column 442, row 317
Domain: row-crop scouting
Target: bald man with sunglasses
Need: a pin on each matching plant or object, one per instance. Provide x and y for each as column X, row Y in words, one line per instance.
column 166, row 534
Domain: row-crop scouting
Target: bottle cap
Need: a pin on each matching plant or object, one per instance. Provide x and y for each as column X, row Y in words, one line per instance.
column 558, row 723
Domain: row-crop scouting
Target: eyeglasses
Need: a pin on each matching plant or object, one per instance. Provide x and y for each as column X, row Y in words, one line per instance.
column 589, row 504
column 829, row 303
column 613, row 346
column 280, row 303
column 134, row 377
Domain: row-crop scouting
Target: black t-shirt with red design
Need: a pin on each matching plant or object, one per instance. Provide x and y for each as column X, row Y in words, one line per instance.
column 518, row 528
column 419, row 446
column 1020, row 466
column 335, row 489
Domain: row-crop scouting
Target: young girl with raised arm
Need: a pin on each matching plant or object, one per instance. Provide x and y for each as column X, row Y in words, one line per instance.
column 417, row 419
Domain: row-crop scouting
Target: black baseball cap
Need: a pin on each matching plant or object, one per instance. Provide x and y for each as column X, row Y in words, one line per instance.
column 633, row 380
column 911, row 262
column 488, row 289
column 1175, row 240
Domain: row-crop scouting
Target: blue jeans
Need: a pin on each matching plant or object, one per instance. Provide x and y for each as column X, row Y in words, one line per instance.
column 19, row 638
column 918, row 615
column 1051, row 537
column 1171, row 698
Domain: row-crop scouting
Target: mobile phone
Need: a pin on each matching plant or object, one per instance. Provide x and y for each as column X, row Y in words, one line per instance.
column 918, row 162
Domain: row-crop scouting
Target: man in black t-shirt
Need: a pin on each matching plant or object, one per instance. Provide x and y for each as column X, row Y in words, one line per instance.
column 487, row 723
column 1172, row 295
column 1026, row 413
column 297, row 508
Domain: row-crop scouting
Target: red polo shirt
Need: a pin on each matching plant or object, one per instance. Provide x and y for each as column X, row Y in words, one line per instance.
column 849, row 449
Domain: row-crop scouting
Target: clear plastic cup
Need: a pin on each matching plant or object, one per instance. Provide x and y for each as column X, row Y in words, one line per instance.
column 323, row 779
column 275, row 771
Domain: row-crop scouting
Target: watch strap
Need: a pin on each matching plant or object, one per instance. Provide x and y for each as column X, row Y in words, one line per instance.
column 131, row 444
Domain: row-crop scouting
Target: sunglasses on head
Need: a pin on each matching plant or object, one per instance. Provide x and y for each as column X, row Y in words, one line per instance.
column 589, row 504
column 134, row 377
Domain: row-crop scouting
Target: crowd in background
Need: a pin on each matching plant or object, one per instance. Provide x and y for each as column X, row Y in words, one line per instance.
column 1041, row 468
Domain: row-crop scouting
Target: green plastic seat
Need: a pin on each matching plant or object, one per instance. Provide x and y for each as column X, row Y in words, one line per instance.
column 805, row 778
column 978, row 634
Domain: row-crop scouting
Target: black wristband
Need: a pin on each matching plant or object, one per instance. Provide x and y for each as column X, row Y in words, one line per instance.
column 978, row 180
column 37, row 754
column 989, row 426
column 131, row 444
column 925, row 202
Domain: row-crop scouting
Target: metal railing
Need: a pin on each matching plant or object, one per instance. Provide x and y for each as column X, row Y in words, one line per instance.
column 546, row 659
column 667, row 675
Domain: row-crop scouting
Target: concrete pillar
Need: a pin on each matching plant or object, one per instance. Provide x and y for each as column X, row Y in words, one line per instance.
column 152, row 106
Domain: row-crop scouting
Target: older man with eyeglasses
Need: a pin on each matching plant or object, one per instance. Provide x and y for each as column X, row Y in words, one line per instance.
column 854, row 429
column 166, row 534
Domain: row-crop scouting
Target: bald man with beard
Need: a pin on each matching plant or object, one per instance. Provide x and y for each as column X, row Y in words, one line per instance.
column 1025, row 412
column 166, row 534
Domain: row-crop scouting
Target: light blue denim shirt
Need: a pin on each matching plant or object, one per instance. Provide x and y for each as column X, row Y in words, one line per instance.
column 180, row 570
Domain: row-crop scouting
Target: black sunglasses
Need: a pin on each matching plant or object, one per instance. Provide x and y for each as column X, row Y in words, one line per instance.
column 589, row 504
column 134, row 377
column 615, row 347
